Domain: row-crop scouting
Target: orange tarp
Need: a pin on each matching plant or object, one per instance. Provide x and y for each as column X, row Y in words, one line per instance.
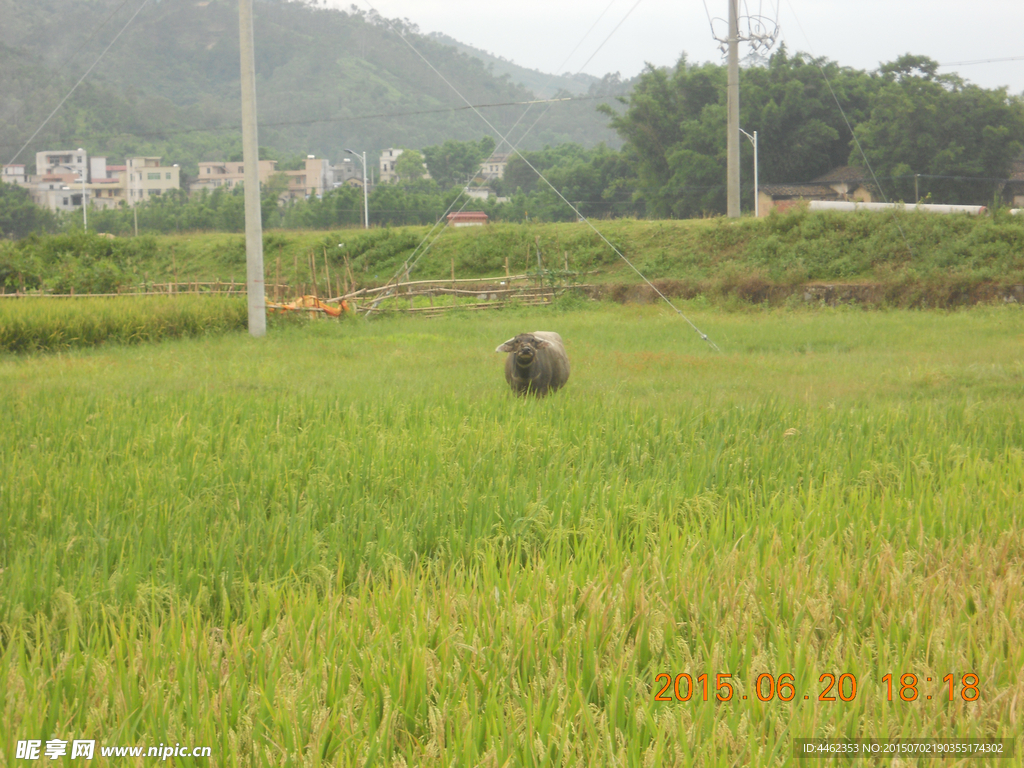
column 307, row 303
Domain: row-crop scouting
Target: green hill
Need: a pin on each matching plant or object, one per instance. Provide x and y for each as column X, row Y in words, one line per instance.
column 326, row 80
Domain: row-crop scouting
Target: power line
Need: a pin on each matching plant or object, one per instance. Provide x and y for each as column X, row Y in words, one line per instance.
column 582, row 218
column 90, row 69
column 586, row 35
column 410, row 263
column 981, row 61
column 337, row 119
column 609, row 37
column 68, row 60
column 592, row 55
column 856, row 141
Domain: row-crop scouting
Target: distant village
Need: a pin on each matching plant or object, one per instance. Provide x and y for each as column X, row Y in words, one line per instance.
column 64, row 179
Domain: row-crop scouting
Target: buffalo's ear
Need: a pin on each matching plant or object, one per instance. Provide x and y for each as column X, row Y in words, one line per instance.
column 541, row 343
column 508, row 346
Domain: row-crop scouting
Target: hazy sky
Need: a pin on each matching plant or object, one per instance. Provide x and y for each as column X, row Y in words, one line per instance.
column 541, row 34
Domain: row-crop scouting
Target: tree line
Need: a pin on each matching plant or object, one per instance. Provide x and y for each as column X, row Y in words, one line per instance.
column 922, row 133
column 813, row 116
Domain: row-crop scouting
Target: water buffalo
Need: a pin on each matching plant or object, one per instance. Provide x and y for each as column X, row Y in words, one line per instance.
column 536, row 363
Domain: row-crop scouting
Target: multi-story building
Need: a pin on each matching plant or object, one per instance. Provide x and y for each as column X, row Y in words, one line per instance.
column 107, row 192
column 388, row 159
column 61, row 179
column 230, row 175
column 64, row 162
column 106, row 187
column 312, row 181
column 494, row 167
column 65, row 179
column 346, row 173
column 147, row 178
column 14, row 174
column 52, row 192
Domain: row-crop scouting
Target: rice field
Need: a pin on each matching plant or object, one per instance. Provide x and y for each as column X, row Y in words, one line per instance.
column 348, row 544
column 60, row 324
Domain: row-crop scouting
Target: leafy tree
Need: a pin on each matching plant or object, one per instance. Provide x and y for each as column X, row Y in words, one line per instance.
column 409, row 166
column 792, row 103
column 521, row 169
column 454, row 163
column 270, row 197
column 936, row 125
column 674, row 127
column 19, row 216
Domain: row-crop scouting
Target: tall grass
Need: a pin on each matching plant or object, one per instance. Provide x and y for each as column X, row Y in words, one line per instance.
column 52, row 325
column 349, row 544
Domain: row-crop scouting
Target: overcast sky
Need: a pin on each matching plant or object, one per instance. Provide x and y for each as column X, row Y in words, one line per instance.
column 541, row 34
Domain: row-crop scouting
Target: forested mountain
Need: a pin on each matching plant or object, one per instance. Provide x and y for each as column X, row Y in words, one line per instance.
column 326, row 80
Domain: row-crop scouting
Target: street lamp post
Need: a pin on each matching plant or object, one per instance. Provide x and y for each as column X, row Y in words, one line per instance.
column 85, row 218
column 366, row 204
column 753, row 140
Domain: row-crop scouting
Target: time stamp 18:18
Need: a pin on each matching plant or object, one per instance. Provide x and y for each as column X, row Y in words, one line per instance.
column 907, row 687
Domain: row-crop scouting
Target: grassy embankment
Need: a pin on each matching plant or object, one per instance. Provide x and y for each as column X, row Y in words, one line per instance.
column 347, row 544
column 909, row 259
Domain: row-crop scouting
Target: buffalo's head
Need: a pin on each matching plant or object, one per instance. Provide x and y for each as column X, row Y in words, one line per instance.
column 524, row 347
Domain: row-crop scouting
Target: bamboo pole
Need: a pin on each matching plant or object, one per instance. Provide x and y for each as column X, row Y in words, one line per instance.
column 540, row 268
column 327, row 270
column 312, row 271
column 393, row 286
column 277, row 279
column 351, row 275
column 537, row 300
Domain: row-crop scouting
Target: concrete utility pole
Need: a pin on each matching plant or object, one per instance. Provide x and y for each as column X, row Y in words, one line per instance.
column 760, row 32
column 732, row 146
column 254, row 286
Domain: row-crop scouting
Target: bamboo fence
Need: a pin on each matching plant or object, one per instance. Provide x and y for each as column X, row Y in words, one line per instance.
column 490, row 292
